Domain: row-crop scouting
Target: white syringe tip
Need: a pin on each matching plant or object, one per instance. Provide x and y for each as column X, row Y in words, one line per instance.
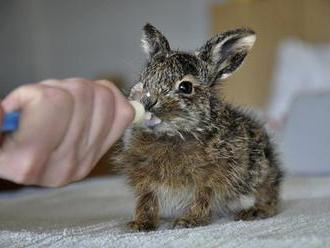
column 139, row 112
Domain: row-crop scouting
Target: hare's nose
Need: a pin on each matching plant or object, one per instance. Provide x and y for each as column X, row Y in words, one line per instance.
column 148, row 102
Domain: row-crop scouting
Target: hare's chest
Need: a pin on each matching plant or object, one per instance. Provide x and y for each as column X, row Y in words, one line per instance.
column 167, row 167
column 173, row 202
column 163, row 166
column 171, row 162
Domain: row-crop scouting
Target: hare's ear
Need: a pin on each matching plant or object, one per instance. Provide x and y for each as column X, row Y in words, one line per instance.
column 225, row 52
column 153, row 41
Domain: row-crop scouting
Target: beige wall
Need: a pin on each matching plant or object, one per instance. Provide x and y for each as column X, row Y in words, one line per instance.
column 273, row 20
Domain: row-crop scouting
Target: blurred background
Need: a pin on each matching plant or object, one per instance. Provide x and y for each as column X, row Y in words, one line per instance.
column 286, row 77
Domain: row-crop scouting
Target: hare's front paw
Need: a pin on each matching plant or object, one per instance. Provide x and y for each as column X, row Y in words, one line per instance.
column 188, row 222
column 142, row 225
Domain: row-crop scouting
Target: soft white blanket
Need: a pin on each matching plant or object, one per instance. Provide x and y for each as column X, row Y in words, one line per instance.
column 93, row 214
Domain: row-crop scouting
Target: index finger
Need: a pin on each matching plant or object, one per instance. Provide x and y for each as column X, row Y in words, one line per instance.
column 123, row 112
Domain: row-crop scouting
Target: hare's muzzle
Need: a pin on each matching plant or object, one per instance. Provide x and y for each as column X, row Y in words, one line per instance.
column 151, row 120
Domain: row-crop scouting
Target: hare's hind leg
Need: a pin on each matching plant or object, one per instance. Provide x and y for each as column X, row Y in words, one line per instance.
column 266, row 205
column 257, row 212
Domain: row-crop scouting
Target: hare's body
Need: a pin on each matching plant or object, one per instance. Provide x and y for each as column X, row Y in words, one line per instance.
column 229, row 171
column 205, row 157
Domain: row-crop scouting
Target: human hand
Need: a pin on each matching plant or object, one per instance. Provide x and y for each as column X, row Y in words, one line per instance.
column 66, row 126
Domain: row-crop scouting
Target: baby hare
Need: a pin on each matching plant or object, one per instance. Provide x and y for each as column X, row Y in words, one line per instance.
column 197, row 156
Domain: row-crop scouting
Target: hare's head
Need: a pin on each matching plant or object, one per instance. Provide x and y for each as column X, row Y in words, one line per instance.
column 176, row 87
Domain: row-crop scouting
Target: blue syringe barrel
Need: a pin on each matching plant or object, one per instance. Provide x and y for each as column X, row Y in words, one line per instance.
column 10, row 122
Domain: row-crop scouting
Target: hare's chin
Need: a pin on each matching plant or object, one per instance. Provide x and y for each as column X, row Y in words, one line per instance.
column 151, row 120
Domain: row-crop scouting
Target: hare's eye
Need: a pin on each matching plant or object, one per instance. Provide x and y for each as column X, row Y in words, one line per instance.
column 185, row 87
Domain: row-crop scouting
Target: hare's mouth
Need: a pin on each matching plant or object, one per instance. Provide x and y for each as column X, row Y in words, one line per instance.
column 151, row 120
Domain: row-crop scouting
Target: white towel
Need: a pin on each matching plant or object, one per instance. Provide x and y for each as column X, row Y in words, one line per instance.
column 94, row 214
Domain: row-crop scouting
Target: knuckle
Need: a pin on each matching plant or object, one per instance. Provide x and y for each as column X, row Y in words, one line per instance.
column 104, row 95
column 43, row 92
column 105, row 83
column 79, row 88
column 51, row 81
column 77, row 79
column 31, row 89
column 56, row 95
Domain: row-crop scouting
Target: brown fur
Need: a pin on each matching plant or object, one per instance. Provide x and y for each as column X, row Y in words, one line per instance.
column 207, row 157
